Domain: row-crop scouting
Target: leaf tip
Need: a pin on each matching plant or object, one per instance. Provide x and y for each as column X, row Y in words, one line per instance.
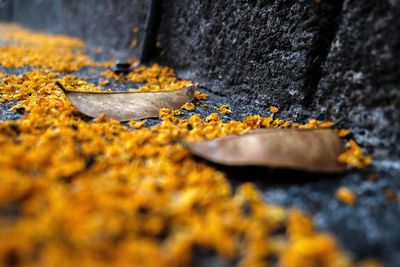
column 191, row 90
column 61, row 87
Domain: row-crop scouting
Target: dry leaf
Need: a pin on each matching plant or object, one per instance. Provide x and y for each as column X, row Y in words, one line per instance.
column 315, row 150
column 124, row 106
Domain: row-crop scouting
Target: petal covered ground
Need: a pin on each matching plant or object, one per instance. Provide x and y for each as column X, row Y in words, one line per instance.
column 82, row 192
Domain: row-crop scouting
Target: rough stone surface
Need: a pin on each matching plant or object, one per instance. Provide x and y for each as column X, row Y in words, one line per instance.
column 258, row 53
column 360, row 82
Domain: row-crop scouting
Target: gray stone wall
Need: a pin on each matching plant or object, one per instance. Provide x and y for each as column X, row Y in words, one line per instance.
column 360, row 82
column 268, row 51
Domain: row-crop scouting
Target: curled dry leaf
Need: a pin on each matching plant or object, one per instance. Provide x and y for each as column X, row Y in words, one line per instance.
column 124, row 106
column 315, row 150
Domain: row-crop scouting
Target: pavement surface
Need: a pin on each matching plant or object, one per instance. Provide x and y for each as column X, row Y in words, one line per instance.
column 366, row 229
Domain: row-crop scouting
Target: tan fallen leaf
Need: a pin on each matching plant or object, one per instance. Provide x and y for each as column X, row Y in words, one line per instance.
column 124, row 106
column 315, row 150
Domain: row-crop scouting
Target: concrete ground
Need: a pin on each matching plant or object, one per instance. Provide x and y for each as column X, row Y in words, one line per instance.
column 366, row 229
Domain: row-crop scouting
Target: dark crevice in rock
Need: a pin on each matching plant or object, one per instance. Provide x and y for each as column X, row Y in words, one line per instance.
column 328, row 27
column 153, row 20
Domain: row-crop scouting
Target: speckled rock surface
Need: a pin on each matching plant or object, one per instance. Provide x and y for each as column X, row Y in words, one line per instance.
column 257, row 53
column 360, row 82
